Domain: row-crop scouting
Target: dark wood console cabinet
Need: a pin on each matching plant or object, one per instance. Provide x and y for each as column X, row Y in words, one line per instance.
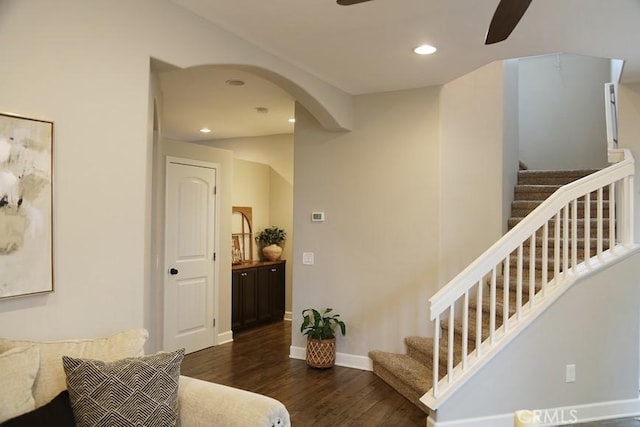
column 257, row 293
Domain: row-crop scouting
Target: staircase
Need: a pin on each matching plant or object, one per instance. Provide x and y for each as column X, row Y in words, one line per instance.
column 411, row 374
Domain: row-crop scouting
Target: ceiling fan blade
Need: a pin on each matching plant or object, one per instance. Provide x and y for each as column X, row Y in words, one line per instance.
column 350, row 2
column 506, row 17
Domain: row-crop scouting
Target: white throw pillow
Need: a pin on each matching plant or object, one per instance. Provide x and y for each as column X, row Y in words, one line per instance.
column 18, row 370
column 51, row 379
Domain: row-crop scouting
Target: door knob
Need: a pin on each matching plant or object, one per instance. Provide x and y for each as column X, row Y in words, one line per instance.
column 173, row 271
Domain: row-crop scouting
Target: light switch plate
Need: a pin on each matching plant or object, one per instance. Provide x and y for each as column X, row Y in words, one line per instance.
column 307, row 258
column 317, row 216
column 571, row 374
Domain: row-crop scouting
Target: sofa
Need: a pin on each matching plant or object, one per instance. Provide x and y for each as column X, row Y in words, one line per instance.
column 33, row 375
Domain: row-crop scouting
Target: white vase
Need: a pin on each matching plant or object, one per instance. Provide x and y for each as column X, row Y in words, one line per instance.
column 272, row 252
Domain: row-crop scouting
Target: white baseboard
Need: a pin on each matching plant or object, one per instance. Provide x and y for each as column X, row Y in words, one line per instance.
column 342, row 359
column 225, row 337
column 288, row 316
column 554, row 416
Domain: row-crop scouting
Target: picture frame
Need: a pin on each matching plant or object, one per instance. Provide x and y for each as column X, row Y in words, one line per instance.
column 26, row 206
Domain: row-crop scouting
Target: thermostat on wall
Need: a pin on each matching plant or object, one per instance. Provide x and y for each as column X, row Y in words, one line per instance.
column 317, row 216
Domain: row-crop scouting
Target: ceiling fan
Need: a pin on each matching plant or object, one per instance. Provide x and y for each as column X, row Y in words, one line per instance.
column 350, row 2
column 506, row 17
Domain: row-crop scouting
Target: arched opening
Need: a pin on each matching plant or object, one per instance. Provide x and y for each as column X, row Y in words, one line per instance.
column 230, row 101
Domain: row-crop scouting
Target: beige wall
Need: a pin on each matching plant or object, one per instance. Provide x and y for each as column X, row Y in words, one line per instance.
column 98, row 98
column 472, row 167
column 273, row 150
column 269, row 160
column 554, row 134
column 376, row 252
column 251, row 187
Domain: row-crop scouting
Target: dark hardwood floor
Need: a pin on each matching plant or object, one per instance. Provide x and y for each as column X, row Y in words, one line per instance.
column 258, row 360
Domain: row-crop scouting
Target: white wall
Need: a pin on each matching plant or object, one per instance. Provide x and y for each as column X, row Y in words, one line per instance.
column 629, row 136
column 562, row 124
column 472, row 167
column 376, row 252
column 84, row 64
column 577, row 329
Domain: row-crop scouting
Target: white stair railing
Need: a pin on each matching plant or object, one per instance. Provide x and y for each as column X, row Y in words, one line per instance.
column 581, row 227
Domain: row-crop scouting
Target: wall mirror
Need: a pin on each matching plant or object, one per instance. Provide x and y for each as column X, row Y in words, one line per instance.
column 241, row 234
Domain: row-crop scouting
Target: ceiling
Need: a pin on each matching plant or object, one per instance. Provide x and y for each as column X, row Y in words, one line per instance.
column 367, row 47
column 200, row 97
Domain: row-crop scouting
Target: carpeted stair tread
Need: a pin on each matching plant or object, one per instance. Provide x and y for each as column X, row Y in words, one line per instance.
column 534, row 192
column 551, row 241
column 457, row 326
column 553, row 177
column 512, row 222
column 421, row 349
column 542, row 192
column 413, row 373
column 521, row 208
column 406, row 375
column 486, row 301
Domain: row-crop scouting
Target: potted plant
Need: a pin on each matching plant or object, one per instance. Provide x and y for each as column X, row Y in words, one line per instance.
column 321, row 339
column 270, row 238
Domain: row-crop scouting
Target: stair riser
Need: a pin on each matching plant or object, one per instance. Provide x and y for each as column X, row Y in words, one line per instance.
column 522, row 209
column 529, row 192
column 412, row 395
column 423, row 353
column 552, row 177
column 551, row 243
column 538, row 262
column 593, row 229
column 522, row 194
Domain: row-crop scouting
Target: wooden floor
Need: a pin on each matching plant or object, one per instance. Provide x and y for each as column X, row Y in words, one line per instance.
column 258, row 360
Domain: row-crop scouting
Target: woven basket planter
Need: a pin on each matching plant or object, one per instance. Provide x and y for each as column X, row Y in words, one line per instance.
column 321, row 353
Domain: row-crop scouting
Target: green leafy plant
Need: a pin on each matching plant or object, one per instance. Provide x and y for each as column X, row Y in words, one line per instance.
column 271, row 236
column 321, row 326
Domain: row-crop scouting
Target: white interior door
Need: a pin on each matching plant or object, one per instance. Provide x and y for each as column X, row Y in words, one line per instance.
column 189, row 287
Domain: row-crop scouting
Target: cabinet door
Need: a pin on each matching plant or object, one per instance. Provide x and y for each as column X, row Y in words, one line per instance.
column 276, row 290
column 264, row 295
column 249, row 297
column 236, row 300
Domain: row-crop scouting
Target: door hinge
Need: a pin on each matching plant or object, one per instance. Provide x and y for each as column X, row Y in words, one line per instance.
column 215, row 190
column 214, row 256
column 214, row 322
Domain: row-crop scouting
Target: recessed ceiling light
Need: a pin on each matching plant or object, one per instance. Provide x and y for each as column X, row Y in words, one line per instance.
column 205, row 130
column 235, row 82
column 292, row 120
column 425, row 49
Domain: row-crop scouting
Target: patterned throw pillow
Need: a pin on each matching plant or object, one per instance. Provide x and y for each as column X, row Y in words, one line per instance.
column 140, row 391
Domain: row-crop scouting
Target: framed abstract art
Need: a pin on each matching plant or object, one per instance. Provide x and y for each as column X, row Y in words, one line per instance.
column 26, row 212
